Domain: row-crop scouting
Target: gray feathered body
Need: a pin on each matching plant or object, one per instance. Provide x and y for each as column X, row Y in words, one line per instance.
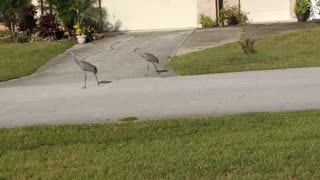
column 85, row 66
column 150, row 57
column 88, row 67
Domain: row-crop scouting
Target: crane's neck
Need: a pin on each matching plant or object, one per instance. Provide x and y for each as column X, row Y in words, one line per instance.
column 139, row 52
column 75, row 59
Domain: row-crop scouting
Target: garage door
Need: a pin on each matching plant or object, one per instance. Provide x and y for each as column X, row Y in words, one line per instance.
column 266, row 10
column 152, row 14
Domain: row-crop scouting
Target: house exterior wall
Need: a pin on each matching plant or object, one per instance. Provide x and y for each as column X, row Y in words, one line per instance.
column 207, row 7
column 151, row 14
column 266, row 11
column 158, row 14
column 231, row 3
column 287, row 7
column 292, row 13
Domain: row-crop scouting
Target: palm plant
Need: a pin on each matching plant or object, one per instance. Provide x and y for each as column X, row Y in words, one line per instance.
column 82, row 12
column 302, row 6
column 10, row 11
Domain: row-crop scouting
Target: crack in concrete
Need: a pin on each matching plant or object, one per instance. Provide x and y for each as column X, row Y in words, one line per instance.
column 111, row 47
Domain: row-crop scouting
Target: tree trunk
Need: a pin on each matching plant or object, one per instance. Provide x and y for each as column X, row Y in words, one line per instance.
column 41, row 7
column 101, row 22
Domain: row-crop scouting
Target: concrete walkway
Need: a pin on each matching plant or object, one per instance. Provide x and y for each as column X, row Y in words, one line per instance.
column 157, row 98
column 209, row 38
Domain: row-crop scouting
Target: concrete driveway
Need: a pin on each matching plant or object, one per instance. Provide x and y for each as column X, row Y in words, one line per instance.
column 113, row 56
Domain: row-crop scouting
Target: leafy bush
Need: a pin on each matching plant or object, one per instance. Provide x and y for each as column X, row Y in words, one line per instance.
column 302, row 6
column 5, row 34
column 207, row 21
column 89, row 33
column 247, row 46
column 235, row 16
column 48, row 26
column 23, row 38
column 28, row 21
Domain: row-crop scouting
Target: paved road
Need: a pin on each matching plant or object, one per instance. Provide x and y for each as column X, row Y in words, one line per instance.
column 154, row 98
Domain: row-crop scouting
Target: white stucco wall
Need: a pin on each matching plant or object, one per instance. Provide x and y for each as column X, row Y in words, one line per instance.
column 152, row 14
column 267, row 10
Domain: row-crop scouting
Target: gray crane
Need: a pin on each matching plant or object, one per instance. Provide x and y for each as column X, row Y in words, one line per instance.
column 86, row 67
column 150, row 58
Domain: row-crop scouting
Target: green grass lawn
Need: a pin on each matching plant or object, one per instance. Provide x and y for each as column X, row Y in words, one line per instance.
column 293, row 50
column 18, row 60
column 245, row 146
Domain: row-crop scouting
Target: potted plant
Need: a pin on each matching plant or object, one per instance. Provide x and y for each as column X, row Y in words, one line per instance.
column 79, row 35
column 302, row 10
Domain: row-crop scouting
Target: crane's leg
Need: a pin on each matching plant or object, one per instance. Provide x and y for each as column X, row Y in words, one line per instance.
column 156, row 68
column 85, row 80
column 147, row 70
column 97, row 79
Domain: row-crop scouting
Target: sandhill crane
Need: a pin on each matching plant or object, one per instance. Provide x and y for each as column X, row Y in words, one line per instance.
column 150, row 58
column 86, row 67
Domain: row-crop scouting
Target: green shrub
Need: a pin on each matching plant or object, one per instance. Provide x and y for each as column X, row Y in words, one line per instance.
column 5, row 34
column 89, row 33
column 247, row 46
column 23, row 38
column 235, row 16
column 222, row 17
column 207, row 22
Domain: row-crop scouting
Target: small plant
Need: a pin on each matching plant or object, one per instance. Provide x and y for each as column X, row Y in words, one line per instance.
column 89, row 33
column 35, row 37
column 206, row 21
column 23, row 38
column 77, row 30
column 302, row 6
column 222, row 17
column 247, row 46
column 235, row 16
